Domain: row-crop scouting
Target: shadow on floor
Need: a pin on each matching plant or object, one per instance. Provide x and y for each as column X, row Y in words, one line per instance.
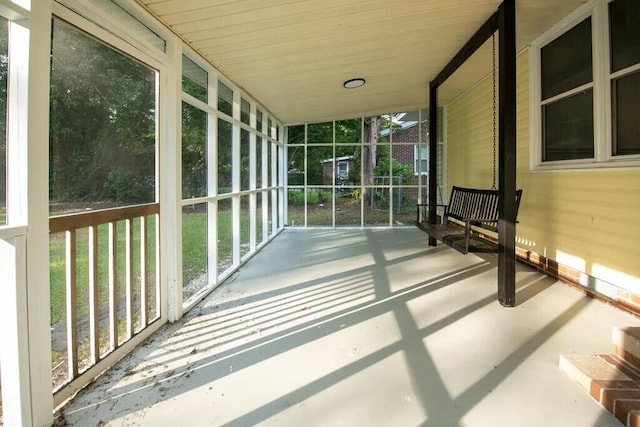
column 222, row 338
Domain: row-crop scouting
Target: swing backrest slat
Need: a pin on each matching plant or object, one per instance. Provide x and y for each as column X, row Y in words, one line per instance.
column 477, row 205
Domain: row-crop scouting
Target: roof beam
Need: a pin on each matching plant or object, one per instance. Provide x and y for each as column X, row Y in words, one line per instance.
column 482, row 35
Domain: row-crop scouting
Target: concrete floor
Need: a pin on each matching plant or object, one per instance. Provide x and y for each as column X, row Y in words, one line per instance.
column 362, row 328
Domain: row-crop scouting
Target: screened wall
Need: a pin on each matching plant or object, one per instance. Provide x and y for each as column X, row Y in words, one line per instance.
column 364, row 172
column 152, row 203
column 230, row 183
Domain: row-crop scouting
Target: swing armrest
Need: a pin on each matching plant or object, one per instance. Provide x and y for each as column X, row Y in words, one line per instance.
column 418, row 205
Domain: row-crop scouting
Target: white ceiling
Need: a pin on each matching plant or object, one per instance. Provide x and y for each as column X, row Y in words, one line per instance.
column 294, row 55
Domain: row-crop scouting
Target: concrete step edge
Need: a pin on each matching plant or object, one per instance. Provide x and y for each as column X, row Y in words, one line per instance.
column 600, row 377
column 585, row 368
column 627, row 340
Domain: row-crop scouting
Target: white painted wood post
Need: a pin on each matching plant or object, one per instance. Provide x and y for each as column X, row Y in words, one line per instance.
column 37, row 193
column 285, row 178
column 282, row 169
column 252, row 179
column 14, row 351
column 235, row 178
column 212, row 180
column 265, row 194
column 170, row 183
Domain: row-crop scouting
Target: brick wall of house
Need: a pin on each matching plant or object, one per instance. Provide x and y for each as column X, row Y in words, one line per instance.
column 405, row 153
column 410, row 135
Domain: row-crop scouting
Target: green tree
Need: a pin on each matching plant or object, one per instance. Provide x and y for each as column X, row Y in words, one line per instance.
column 370, row 154
column 102, row 123
column 194, row 152
column 224, row 153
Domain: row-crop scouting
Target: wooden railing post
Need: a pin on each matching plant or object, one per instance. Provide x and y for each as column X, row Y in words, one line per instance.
column 75, row 227
column 71, row 302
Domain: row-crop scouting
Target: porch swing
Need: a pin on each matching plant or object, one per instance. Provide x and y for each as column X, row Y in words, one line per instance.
column 471, row 212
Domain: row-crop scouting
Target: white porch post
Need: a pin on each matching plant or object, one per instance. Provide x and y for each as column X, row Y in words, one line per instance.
column 14, row 338
column 170, row 184
column 37, row 213
column 14, row 351
column 252, row 179
column 235, row 177
column 282, row 167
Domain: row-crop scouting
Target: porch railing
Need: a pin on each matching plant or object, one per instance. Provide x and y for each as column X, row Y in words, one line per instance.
column 113, row 295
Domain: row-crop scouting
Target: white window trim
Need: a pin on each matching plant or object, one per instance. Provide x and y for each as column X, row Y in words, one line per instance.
column 156, row 61
column 598, row 11
column 344, row 163
column 417, row 159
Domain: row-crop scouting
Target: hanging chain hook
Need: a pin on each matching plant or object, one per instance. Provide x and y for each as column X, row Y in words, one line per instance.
column 493, row 58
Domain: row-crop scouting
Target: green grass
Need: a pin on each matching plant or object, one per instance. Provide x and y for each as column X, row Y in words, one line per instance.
column 194, row 256
column 194, row 245
column 296, row 196
column 225, row 239
column 245, row 230
column 194, row 241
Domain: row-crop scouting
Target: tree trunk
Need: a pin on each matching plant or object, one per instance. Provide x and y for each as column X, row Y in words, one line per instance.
column 369, row 155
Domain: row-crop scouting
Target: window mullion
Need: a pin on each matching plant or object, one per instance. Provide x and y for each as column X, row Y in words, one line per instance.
column 601, row 84
column 568, row 93
column 535, row 109
column 567, row 76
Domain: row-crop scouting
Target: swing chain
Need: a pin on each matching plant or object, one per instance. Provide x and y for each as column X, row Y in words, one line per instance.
column 493, row 41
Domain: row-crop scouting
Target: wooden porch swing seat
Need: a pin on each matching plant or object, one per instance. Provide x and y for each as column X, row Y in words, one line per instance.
column 470, row 212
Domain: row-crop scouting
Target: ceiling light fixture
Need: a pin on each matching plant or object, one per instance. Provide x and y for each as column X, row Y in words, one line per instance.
column 353, row 83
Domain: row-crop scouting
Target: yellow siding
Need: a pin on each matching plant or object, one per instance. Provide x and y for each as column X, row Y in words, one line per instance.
column 469, row 138
column 589, row 220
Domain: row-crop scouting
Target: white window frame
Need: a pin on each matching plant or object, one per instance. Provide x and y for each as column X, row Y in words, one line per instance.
column 165, row 185
column 111, row 24
column 598, row 10
column 417, row 158
column 255, row 128
column 344, row 163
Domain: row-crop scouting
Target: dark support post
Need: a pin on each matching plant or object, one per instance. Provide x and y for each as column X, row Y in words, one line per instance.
column 433, row 153
column 507, row 154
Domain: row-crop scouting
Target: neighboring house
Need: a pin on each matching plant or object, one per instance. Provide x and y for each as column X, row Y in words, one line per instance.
column 343, row 166
column 409, row 151
column 410, row 147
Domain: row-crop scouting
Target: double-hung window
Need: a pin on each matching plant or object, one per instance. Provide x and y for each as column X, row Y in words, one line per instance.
column 421, row 159
column 342, row 170
column 624, row 22
column 585, row 83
